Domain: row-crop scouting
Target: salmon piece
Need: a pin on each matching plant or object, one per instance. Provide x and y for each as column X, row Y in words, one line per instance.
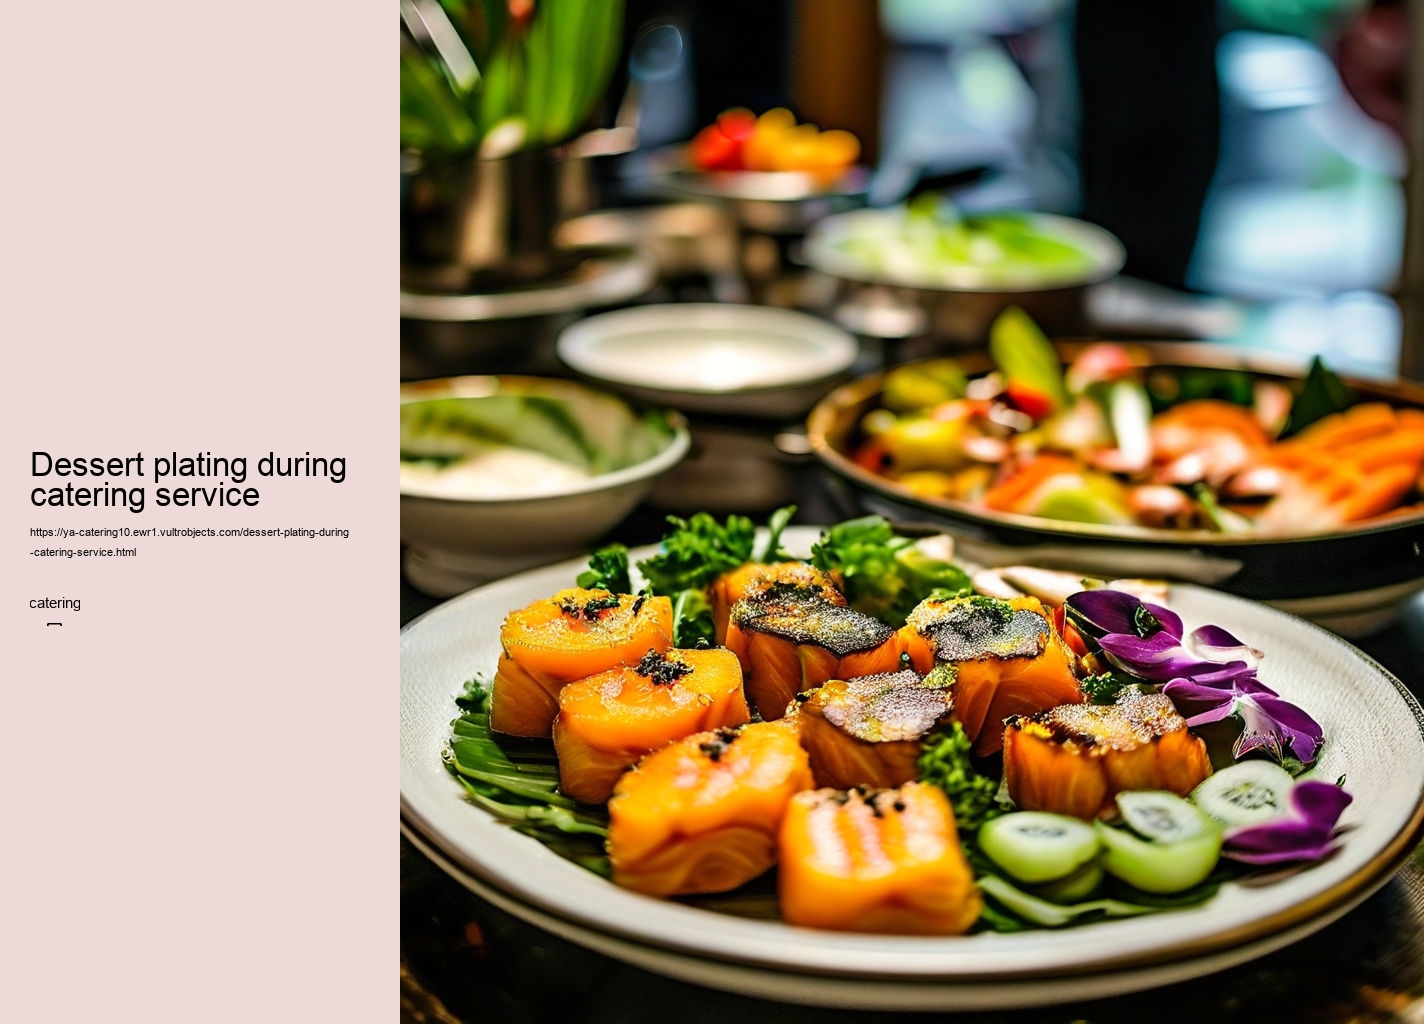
column 1074, row 759
column 755, row 578
column 867, row 731
column 1382, row 490
column 607, row 721
column 1402, row 447
column 882, row 860
column 703, row 814
column 895, row 654
column 1178, row 428
column 1006, row 658
column 790, row 640
column 572, row 635
column 1365, row 420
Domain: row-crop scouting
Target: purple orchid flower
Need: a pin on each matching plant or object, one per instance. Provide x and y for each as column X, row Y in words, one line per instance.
column 1269, row 722
column 1304, row 833
column 1106, row 610
column 1209, row 674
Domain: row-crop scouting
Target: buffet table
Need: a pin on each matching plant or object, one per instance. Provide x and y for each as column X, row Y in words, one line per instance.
column 463, row 960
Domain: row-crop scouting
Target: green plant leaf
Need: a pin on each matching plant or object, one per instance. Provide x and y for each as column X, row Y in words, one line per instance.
column 1323, row 394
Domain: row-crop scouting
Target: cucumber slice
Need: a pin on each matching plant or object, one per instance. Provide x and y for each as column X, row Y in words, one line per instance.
column 1035, row 846
column 1160, row 868
column 1246, row 793
column 1080, row 885
column 1162, row 816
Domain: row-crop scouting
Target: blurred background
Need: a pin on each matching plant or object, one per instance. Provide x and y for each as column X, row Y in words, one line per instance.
column 643, row 196
column 1249, row 154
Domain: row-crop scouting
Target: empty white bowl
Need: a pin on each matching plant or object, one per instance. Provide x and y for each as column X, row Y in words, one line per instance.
column 712, row 358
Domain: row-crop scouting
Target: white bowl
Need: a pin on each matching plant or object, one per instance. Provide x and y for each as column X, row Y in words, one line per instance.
column 456, row 542
column 712, row 358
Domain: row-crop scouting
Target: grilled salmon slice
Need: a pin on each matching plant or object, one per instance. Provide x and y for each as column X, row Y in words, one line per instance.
column 1006, row 657
column 607, row 721
column 703, row 814
column 868, row 731
column 755, row 578
column 875, row 860
column 789, row 640
column 1074, row 759
column 572, row 635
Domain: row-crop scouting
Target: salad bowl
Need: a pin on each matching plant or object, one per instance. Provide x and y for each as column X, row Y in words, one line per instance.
column 946, row 288
column 1351, row 578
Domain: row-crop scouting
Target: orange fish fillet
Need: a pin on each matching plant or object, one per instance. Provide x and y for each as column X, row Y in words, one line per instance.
column 876, row 861
column 756, row 578
column 868, row 731
column 1006, row 657
column 790, row 641
column 703, row 814
column 1075, row 759
column 574, row 634
column 607, row 721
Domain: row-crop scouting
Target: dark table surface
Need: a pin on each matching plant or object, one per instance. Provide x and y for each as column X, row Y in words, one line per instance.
column 463, row 961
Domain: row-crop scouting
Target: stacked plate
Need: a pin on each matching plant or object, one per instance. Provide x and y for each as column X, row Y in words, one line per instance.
column 1375, row 733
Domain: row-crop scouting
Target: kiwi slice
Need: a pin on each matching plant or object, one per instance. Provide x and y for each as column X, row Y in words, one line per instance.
column 1081, row 885
column 1246, row 793
column 1162, row 816
column 1157, row 867
column 1035, row 846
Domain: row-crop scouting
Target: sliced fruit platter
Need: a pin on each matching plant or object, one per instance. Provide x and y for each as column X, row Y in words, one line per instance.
column 878, row 739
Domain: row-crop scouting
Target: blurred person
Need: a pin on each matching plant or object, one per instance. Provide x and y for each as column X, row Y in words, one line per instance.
column 1148, row 135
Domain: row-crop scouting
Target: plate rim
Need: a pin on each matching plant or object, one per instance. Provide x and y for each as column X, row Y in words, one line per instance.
column 951, row 993
column 1380, row 866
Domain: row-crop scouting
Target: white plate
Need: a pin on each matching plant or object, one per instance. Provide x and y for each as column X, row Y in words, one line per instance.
column 712, row 357
column 1375, row 737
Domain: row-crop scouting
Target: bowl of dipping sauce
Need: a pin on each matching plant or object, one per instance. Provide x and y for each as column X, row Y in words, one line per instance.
column 710, row 358
column 500, row 473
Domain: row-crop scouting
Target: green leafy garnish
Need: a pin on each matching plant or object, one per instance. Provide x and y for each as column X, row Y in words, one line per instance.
column 607, row 570
column 885, row 574
column 1322, row 395
column 521, row 788
column 1052, row 915
column 772, row 551
column 1103, row 688
column 692, row 620
column 697, row 551
column 944, row 762
column 695, row 554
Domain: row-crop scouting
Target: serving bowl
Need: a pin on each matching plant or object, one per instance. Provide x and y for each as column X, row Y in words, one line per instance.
column 715, row 358
column 501, row 473
column 741, row 372
column 770, row 202
column 1352, row 579
column 956, row 304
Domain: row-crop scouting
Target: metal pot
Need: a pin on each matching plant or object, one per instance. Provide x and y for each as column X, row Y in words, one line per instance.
column 476, row 225
column 957, row 312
